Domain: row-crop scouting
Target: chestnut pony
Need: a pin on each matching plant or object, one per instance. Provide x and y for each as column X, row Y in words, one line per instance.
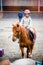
column 21, row 33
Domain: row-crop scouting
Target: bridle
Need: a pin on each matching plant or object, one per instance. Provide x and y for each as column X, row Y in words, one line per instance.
column 18, row 33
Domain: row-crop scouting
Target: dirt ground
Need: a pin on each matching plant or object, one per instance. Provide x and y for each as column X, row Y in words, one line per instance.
column 11, row 49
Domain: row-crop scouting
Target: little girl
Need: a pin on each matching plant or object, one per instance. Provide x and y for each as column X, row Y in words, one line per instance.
column 26, row 21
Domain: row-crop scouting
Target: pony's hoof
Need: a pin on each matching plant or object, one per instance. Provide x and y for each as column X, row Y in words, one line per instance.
column 30, row 55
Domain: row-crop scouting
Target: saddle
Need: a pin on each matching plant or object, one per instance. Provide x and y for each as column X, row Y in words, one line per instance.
column 31, row 35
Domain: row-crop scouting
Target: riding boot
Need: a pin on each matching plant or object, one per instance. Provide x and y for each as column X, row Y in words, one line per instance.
column 31, row 35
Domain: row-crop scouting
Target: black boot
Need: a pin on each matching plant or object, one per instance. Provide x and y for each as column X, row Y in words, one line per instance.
column 31, row 35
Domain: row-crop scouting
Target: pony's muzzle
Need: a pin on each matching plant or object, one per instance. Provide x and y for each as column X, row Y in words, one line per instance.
column 14, row 39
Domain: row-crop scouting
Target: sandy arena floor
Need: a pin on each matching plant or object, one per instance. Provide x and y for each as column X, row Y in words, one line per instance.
column 11, row 49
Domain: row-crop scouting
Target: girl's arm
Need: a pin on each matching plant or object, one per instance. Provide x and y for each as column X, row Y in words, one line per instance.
column 30, row 23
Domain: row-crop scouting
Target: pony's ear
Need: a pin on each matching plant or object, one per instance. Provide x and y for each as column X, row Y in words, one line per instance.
column 13, row 25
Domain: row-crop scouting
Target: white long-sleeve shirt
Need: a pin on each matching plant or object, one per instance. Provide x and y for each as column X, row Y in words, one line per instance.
column 26, row 22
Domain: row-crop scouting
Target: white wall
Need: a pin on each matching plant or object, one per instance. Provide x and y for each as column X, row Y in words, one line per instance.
column 20, row 3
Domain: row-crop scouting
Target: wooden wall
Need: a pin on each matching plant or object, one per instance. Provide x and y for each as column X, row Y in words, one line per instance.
column 11, row 6
column 19, row 8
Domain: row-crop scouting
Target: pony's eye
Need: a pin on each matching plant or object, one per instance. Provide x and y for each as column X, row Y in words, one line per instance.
column 17, row 31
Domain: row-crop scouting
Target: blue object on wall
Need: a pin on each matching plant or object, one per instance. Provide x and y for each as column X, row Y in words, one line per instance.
column 1, row 52
column 38, row 63
column 20, row 15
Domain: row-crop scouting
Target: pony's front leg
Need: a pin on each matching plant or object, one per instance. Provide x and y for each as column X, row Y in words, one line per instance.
column 27, row 52
column 22, row 51
column 31, row 49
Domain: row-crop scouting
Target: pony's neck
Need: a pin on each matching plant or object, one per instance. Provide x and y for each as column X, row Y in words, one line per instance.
column 23, row 32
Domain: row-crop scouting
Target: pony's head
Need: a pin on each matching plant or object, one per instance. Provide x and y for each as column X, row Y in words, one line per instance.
column 16, row 31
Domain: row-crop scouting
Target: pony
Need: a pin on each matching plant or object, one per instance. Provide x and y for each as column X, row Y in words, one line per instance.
column 22, row 34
